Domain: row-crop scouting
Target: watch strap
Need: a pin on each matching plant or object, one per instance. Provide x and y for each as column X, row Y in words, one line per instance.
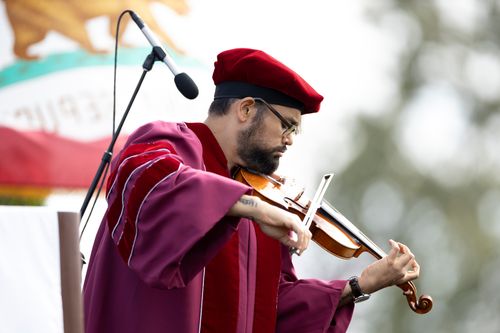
column 357, row 294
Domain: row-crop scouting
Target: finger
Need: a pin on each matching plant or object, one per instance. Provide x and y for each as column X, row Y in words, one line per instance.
column 412, row 272
column 415, row 267
column 410, row 276
column 405, row 249
column 394, row 244
column 411, row 268
column 405, row 261
column 303, row 241
column 302, row 234
column 296, row 228
column 306, row 239
column 293, row 242
column 300, row 245
column 394, row 249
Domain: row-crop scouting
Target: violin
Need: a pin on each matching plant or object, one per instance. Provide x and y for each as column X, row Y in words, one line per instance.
column 329, row 228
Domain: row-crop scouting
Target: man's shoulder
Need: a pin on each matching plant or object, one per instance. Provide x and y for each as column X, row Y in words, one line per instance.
column 161, row 130
column 157, row 128
column 177, row 135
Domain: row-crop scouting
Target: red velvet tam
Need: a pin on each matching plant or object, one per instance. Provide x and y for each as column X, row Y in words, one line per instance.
column 240, row 73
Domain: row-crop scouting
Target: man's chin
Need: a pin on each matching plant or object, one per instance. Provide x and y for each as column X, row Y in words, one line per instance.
column 265, row 166
column 272, row 170
column 265, row 170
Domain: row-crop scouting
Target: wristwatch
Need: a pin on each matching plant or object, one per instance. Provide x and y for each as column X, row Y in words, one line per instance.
column 357, row 294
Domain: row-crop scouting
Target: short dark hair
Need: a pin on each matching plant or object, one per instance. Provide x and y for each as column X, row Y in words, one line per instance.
column 220, row 106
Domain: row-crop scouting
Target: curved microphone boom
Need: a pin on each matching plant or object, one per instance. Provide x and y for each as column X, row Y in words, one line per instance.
column 184, row 83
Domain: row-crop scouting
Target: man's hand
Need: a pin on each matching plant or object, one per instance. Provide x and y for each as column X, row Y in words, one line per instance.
column 398, row 267
column 275, row 222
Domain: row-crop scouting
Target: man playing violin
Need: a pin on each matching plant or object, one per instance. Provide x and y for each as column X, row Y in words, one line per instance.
column 185, row 248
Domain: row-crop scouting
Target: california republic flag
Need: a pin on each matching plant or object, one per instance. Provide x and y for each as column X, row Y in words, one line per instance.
column 56, row 85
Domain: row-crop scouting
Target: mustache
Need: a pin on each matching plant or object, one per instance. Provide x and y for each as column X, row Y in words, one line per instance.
column 281, row 149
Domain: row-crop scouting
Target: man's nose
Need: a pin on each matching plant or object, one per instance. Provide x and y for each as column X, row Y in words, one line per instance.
column 288, row 139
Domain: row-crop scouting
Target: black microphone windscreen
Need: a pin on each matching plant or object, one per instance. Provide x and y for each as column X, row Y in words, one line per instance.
column 186, row 85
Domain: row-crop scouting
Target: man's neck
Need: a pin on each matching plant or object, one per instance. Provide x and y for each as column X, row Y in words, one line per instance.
column 226, row 135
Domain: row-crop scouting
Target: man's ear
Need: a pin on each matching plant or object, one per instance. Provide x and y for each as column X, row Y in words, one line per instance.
column 244, row 108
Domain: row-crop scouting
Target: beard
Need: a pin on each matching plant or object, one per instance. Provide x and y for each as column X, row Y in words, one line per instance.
column 254, row 154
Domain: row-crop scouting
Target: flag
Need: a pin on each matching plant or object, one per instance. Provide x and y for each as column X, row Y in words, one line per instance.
column 56, row 87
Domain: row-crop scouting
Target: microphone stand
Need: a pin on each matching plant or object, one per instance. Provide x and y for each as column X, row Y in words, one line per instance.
column 106, row 158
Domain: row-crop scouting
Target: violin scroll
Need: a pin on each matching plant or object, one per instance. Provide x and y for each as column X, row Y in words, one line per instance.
column 420, row 306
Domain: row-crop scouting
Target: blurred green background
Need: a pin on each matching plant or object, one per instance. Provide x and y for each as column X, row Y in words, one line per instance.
column 426, row 170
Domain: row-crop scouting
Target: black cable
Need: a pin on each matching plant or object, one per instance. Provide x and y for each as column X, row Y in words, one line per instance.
column 114, row 120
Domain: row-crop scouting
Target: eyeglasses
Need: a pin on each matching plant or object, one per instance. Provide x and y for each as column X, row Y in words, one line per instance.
column 289, row 127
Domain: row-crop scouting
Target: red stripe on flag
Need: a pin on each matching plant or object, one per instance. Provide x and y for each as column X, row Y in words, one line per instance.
column 40, row 159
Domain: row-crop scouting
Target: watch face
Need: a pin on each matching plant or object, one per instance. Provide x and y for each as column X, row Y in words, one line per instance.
column 361, row 298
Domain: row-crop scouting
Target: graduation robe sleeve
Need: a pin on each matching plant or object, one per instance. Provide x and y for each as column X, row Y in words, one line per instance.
column 310, row 305
column 167, row 217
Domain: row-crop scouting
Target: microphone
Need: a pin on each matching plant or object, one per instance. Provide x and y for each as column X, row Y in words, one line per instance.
column 184, row 83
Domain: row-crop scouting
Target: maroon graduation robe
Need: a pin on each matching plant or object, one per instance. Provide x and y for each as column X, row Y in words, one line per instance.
column 166, row 259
